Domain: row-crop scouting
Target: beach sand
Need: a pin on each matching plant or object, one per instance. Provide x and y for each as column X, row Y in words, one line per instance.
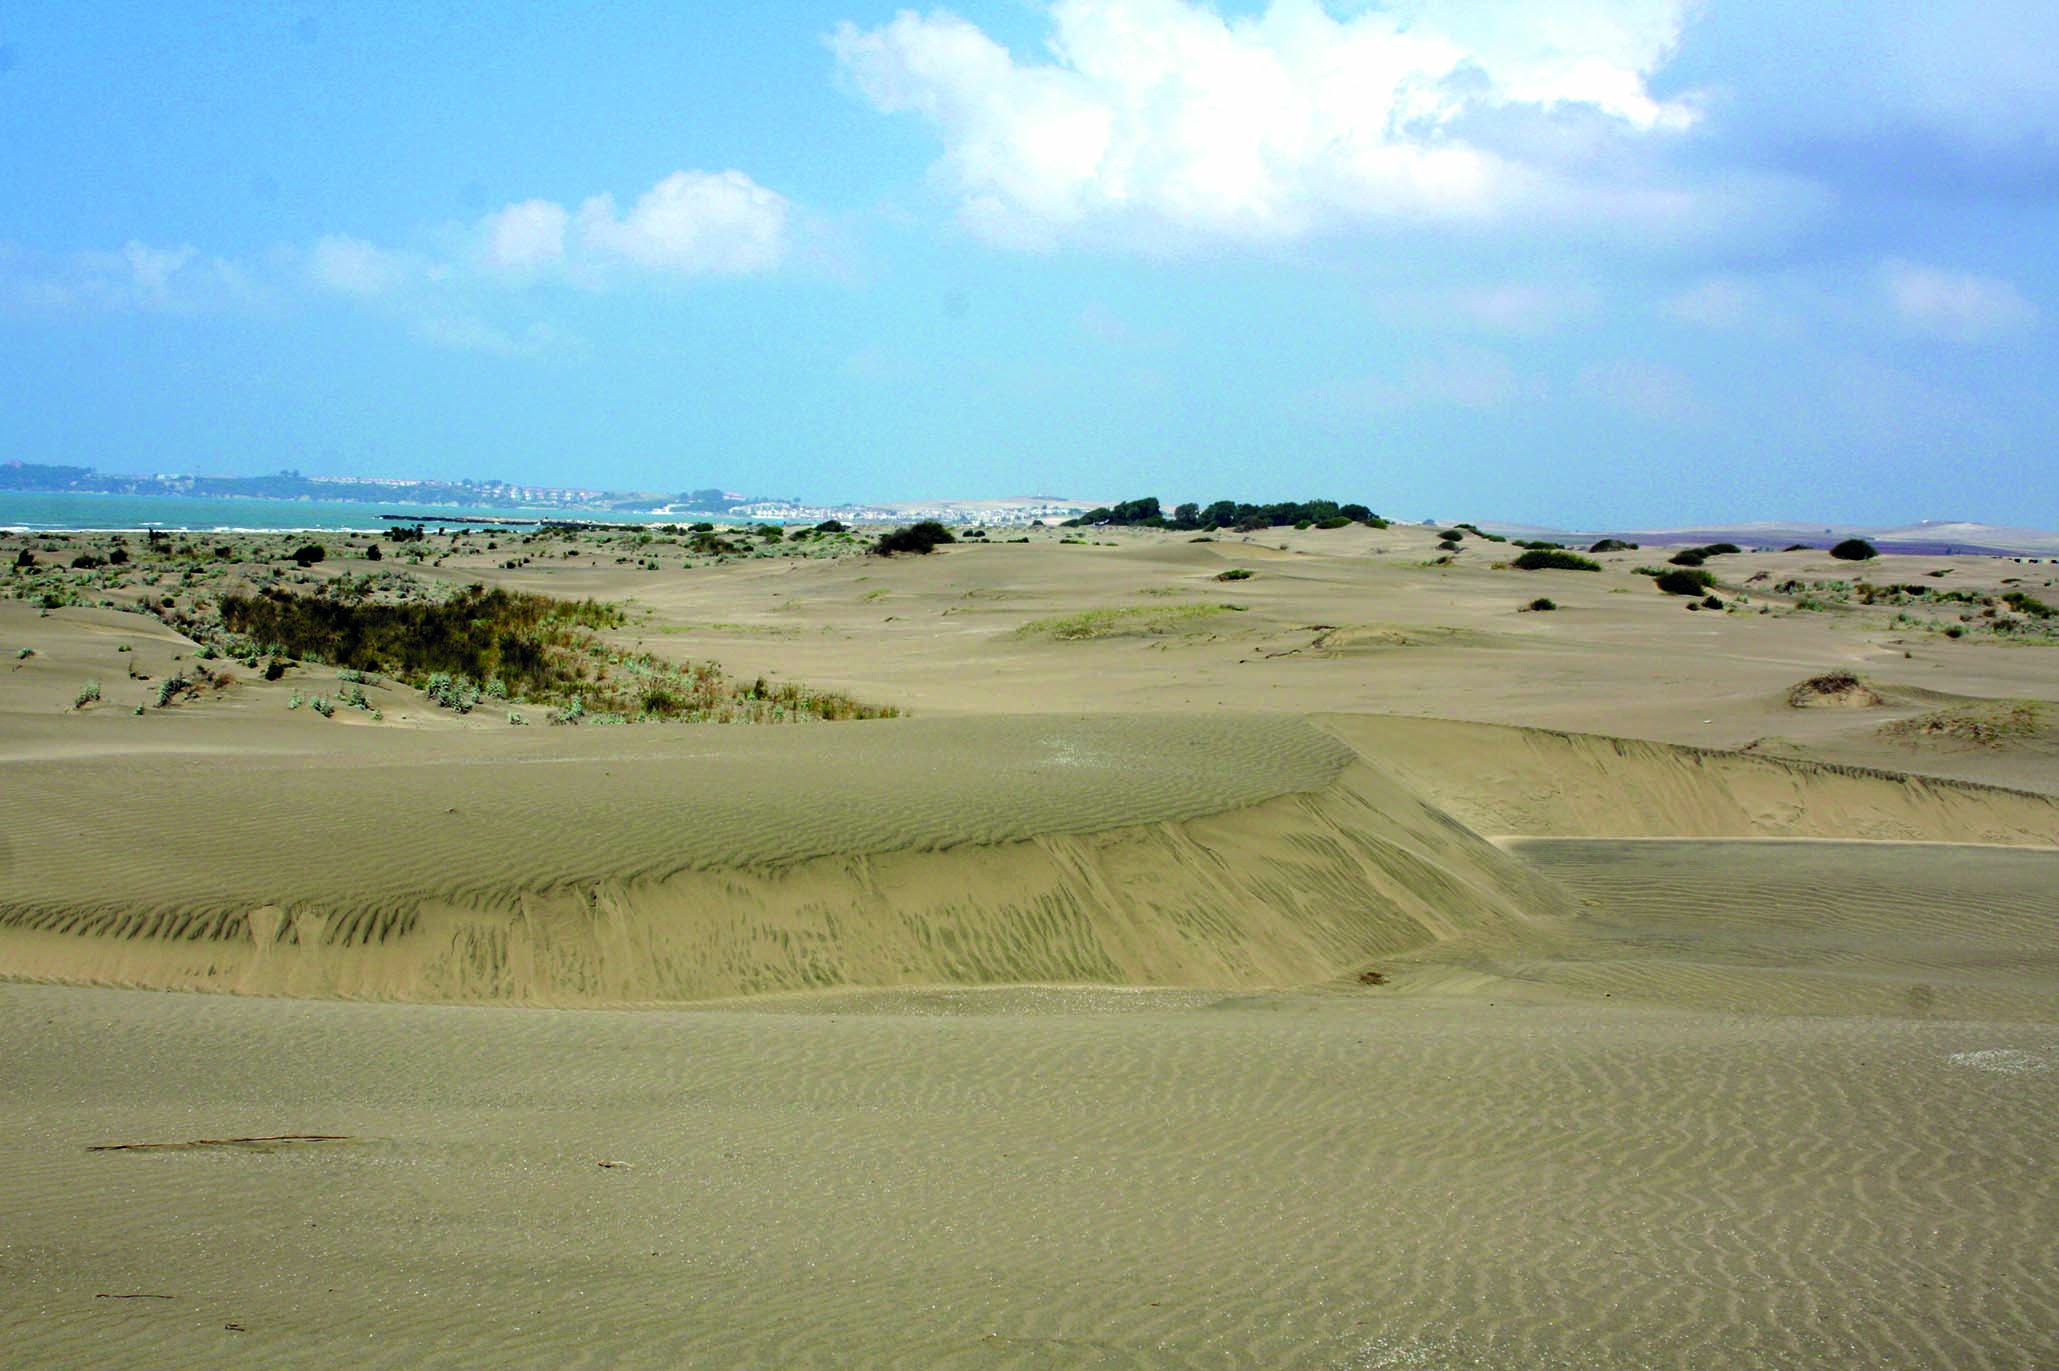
column 1372, row 975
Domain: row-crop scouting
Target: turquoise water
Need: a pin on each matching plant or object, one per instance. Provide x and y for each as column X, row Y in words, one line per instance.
column 67, row 512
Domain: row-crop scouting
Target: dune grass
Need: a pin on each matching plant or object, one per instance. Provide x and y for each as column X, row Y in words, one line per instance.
column 1141, row 621
column 1990, row 723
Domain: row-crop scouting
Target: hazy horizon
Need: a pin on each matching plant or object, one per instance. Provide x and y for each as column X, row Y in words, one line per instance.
column 1582, row 263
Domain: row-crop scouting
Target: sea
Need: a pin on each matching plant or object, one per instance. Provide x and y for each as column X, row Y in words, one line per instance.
column 68, row 512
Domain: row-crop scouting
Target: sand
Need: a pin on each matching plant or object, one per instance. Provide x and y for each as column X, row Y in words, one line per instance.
column 1371, row 975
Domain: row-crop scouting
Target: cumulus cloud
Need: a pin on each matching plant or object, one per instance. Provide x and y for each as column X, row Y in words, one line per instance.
column 526, row 235
column 692, row 222
column 1957, row 306
column 1167, row 114
column 353, row 266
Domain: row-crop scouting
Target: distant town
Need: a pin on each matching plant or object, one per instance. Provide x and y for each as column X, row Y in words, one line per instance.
column 409, row 495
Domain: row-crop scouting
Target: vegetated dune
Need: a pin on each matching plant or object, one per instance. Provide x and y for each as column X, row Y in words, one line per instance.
column 605, row 868
column 1502, row 780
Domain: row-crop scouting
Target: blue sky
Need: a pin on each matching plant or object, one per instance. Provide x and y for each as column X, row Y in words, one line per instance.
column 1580, row 262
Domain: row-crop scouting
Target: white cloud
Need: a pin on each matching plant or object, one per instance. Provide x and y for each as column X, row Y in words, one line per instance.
column 1957, row 306
column 356, row 267
column 526, row 235
column 692, row 222
column 1156, row 114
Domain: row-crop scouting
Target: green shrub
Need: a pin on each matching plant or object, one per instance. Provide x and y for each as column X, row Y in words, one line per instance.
column 1449, row 535
column 1334, row 521
column 1854, row 550
column 89, row 693
column 1553, row 559
column 322, row 706
column 1235, row 573
column 920, row 539
column 307, row 554
column 1687, row 556
column 1541, row 604
column 168, row 689
column 1613, row 545
column 2029, row 604
column 1685, row 581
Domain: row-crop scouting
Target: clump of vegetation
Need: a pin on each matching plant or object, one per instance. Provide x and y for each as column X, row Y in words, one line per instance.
column 2029, row 605
column 1684, row 581
column 1193, row 517
column 89, row 694
column 1541, row 604
column 478, row 633
column 1144, row 621
column 170, row 688
column 1235, row 573
column 1989, row 724
column 1839, row 688
column 307, row 554
column 921, row 539
column 1855, row 550
column 1479, row 532
column 502, row 645
column 1553, row 559
column 1334, row 521
column 1613, row 545
column 1687, row 556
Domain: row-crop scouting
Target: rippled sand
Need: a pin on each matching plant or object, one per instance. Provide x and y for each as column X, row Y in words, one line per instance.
column 1049, row 1178
column 1143, row 1002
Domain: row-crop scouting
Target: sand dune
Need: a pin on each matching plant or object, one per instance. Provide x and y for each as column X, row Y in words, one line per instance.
column 1030, row 1030
column 1114, row 850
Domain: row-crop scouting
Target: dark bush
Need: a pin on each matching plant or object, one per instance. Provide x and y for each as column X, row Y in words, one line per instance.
column 1685, row 581
column 1334, row 521
column 1235, row 573
column 919, row 538
column 373, row 554
column 1553, row 559
column 1450, row 535
column 1613, row 545
column 1687, row 556
column 1855, row 550
column 86, row 561
column 24, row 559
column 307, row 554
column 832, row 526
column 479, row 633
column 118, row 557
column 1541, row 604
column 1712, row 602
column 2029, row 604
column 1721, row 549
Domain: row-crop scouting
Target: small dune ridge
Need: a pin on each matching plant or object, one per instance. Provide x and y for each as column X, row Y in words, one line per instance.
column 1227, row 852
